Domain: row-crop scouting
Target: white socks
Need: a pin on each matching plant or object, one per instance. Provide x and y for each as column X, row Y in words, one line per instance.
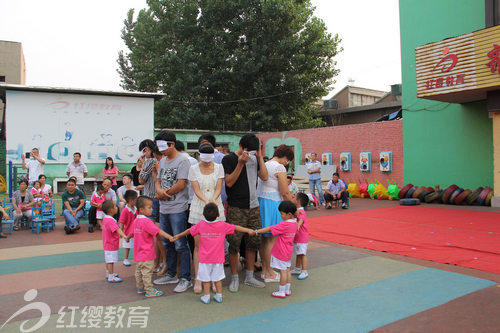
column 287, row 288
column 249, row 274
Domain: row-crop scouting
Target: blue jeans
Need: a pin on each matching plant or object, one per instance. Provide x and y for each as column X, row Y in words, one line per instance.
column 156, row 210
column 174, row 224
column 316, row 183
column 70, row 220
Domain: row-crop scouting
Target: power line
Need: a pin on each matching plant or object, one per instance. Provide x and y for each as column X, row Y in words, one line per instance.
column 234, row 101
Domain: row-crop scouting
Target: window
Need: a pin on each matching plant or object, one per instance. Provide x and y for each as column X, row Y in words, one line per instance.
column 492, row 12
column 2, row 78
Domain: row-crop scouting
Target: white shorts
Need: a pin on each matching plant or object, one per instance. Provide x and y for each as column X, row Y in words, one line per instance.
column 130, row 244
column 279, row 264
column 300, row 248
column 99, row 215
column 110, row 257
column 210, row 272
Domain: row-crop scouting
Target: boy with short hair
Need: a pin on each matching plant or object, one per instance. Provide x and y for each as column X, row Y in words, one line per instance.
column 127, row 217
column 111, row 240
column 301, row 240
column 144, row 233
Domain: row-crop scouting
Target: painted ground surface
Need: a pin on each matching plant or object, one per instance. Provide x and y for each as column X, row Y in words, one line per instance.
column 349, row 290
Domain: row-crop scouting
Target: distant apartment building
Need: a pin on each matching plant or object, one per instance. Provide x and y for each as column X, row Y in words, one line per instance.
column 12, row 64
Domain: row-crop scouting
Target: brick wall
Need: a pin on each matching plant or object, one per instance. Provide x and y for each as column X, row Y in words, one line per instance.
column 369, row 137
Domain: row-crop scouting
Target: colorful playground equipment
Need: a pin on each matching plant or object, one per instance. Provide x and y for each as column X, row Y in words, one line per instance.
column 371, row 188
column 380, row 191
column 363, row 189
column 353, row 189
column 393, row 190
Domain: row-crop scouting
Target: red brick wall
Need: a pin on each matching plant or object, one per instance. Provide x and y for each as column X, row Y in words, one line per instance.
column 369, row 137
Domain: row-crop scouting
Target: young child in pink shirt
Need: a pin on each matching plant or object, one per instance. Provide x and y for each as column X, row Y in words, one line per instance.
column 111, row 240
column 127, row 217
column 301, row 240
column 37, row 193
column 281, row 254
column 212, row 235
column 98, row 198
column 144, row 233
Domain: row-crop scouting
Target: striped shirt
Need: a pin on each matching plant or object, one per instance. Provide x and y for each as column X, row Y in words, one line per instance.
column 147, row 175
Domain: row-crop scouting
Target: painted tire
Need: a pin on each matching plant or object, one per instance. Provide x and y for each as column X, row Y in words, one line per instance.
column 440, row 197
column 473, row 196
column 482, row 196
column 425, row 193
column 409, row 202
column 433, row 196
column 410, row 192
column 418, row 191
column 487, row 201
column 406, row 188
column 455, row 194
column 462, row 196
column 448, row 192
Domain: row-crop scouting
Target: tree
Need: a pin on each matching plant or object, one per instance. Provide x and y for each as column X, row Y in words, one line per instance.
column 222, row 62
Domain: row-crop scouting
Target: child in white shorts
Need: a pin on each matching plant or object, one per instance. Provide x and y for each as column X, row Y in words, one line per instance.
column 212, row 235
column 111, row 240
column 301, row 240
column 127, row 217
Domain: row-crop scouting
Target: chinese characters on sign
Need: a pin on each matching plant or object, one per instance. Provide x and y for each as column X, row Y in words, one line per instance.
column 495, row 58
column 448, row 80
column 104, row 317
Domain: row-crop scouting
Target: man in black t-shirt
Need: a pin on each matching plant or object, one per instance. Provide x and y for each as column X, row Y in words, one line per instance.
column 241, row 170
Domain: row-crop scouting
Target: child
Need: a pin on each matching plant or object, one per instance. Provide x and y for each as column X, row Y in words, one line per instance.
column 212, row 235
column 313, row 200
column 127, row 218
column 301, row 239
column 281, row 254
column 111, row 240
column 99, row 198
column 37, row 193
column 144, row 233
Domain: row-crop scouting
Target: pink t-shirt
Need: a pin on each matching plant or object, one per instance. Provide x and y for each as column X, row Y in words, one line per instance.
column 302, row 235
column 144, row 232
column 127, row 217
column 212, row 236
column 98, row 199
column 110, row 238
column 35, row 191
column 110, row 172
column 283, row 247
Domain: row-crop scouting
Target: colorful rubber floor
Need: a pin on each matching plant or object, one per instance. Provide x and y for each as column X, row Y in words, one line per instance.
column 348, row 290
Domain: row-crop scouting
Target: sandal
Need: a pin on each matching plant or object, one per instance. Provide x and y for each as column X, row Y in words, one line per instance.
column 158, row 269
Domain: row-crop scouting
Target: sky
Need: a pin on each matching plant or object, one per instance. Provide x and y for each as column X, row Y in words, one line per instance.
column 75, row 44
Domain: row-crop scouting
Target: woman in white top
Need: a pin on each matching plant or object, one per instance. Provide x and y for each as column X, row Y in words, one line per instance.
column 46, row 188
column 206, row 179
column 270, row 194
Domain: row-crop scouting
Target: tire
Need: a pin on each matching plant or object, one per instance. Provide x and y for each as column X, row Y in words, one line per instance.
column 402, row 192
column 425, row 193
column 487, row 201
column 410, row 192
column 440, row 197
column 473, row 196
column 462, row 196
column 433, row 196
column 418, row 191
column 482, row 196
column 447, row 194
column 455, row 194
column 409, row 202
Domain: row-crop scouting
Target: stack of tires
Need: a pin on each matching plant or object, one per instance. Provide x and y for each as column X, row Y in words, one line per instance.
column 453, row 195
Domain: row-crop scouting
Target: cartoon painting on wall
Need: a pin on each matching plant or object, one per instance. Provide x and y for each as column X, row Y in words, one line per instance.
column 386, row 161
column 365, row 161
column 345, row 162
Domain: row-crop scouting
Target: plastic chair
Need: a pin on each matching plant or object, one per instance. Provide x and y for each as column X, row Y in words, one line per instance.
column 38, row 221
column 7, row 202
column 8, row 224
column 49, row 212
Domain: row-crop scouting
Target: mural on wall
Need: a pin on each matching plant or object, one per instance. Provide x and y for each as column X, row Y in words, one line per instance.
column 272, row 143
column 345, row 162
column 61, row 124
column 326, row 158
column 386, row 161
column 365, row 161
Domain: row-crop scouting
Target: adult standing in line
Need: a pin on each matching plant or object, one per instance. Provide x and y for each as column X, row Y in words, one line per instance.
column 242, row 168
column 73, row 200
column 22, row 201
column 335, row 190
column 127, row 185
column 173, row 171
column 314, row 171
column 110, row 171
column 77, row 169
column 109, row 194
column 271, row 193
column 147, row 178
column 218, row 156
column 206, row 179
column 46, row 188
column 34, row 166
column 136, row 171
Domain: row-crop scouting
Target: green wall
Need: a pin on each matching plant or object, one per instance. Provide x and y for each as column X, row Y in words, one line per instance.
column 442, row 143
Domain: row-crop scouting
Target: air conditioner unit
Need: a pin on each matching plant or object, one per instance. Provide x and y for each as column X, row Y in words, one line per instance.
column 396, row 89
column 330, row 104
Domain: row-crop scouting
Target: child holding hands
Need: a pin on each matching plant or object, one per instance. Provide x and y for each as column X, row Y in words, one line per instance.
column 301, row 240
column 212, row 235
column 127, row 218
column 144, row 233
column 98, row 198
column 111, row 240
column 281, row 254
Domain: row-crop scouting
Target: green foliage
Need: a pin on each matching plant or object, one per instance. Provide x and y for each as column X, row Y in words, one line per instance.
column 221, row 61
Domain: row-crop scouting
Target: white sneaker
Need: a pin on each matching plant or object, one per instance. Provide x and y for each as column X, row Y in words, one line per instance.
column 234, row 286
column 126, row 262
column 166, row 279
column 296, row 271
column 254, row 283
column 303, row 275
column 183, row 286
